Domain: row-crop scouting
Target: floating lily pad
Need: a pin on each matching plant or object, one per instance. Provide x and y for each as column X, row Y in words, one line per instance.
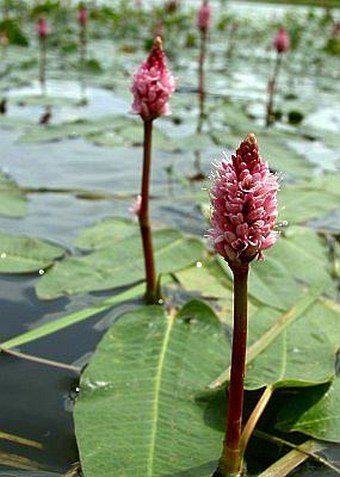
column 72, row 129
column 293, row 261
column 301, row 355
column 20, row 254
column 103, row 233
column 118, row 265
column 289, row 348
column 302, row 202
column 265, row 283
column 12, row 201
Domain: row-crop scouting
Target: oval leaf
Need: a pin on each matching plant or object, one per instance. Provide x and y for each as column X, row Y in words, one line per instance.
column 118, row 265
column 101, row 234
column 315, row 412
column 20, row 254
column 12, row 201
column 137, row 413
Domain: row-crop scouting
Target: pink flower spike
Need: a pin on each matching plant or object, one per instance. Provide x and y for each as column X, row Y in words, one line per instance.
column 152, row 85
column 244, row 205
column 281, row 41
column 41, row 28
column 204, row 15
column 83, row 16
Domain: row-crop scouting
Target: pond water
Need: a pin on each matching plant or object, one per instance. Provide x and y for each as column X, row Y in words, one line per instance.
column 37, row 399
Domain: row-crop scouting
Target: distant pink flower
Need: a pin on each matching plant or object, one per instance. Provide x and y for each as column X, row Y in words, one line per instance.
column 281, row 40
column 244, row 205
column 153, row 85
column 204, row 15
column 83, row 16
column 41, row 28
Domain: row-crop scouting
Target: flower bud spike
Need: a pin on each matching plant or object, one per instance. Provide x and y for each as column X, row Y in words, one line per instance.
column 153, row 85
column 282, row 41
column 204, row 15
column 244, row 205
column 41, row 28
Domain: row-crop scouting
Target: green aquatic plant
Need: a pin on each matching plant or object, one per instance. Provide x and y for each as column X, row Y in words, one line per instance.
column 244, row 212
column 281, row 45
column 152, row 88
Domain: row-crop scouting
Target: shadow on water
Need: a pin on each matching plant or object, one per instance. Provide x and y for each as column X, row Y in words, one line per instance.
column 36, row 402
column 37, row 399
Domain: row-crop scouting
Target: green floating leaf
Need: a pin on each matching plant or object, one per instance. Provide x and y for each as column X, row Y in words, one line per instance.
column 131, row 135
column 274, row 146
column 9, row 122
column 207, row 282
column 301, row 355
column 282, row 158
column 137, row 414
column 302, row 202
column 298, row 258
column 21, row 254
column 276, row 358
column 12, row 200
column 201, row 281
column 266, row 283
column 118, row 265
column 304, row 255
column 194, row 142
column 315, row 412
column 71, row 129
column 101, row 234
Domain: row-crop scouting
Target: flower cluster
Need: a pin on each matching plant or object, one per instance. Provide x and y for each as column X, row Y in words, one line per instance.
column 204, row 14
column 41, row 28
column 83, row 16
column 281, row 41
column 153, row 85
column 244, row 205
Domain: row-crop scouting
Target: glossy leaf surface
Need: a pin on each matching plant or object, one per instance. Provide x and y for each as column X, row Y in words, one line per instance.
column 137, row 413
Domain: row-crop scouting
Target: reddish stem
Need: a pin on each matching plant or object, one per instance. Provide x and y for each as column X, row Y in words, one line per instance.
column 83, row 44
column 272, row 89
column 201, row 89
column 231, row 462
column 42, row 69
column 144, row 220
